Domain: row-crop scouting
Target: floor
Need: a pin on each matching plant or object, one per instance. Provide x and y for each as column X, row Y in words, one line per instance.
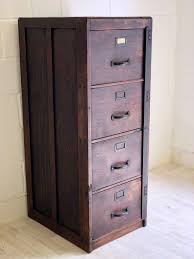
column 169, row 234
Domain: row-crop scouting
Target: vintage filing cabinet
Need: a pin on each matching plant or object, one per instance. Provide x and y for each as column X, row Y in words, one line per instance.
column 86, row 95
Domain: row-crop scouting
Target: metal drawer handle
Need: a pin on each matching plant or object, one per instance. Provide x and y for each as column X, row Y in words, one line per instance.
column 120, row 213
column 120, row 63
column 120, row 115
column 120, row 165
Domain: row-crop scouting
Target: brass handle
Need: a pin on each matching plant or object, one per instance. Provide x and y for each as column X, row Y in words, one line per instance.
column 121, row 213
column 120, row 63
column 120, row 165
column 120, row 115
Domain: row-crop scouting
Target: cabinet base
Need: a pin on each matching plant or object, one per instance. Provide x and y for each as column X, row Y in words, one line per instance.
column 61, row 230
column 76, row 239
column 115, row 234
column 144, row 222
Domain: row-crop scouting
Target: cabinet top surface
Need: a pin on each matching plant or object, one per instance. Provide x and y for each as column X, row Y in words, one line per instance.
column 87, row 17
column 93, row 23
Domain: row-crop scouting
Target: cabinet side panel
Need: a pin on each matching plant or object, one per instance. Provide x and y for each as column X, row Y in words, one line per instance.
column 38, row 113
column 66, row 128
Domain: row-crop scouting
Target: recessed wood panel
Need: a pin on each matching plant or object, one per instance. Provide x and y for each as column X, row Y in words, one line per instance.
column 38, row 116
column 66, row 129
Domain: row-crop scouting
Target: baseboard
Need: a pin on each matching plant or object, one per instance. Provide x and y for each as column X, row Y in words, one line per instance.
column 183, row 157
column 13, row 209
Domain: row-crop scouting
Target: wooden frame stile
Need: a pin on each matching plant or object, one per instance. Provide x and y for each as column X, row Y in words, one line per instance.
column 146, row 119
column 84, row 151
column 51, row 121
column 89, row 93
column 26, row 122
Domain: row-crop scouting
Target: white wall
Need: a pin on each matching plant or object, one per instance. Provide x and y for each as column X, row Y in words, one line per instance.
column 184, row 105
column 163, row 57
column 12, row 175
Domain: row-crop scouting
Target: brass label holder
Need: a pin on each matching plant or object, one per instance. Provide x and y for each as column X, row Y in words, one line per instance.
column 120, row 41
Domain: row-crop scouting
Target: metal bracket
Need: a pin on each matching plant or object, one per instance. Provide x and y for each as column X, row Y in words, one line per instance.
column 147, row 96
column 90, row 188
column 145, row 192
column 149, row 34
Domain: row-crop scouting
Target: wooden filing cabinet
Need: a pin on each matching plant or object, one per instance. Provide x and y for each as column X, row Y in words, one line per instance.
column 86, row 89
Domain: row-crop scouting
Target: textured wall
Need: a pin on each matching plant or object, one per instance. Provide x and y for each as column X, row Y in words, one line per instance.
column 184, row 104
column 12, row 176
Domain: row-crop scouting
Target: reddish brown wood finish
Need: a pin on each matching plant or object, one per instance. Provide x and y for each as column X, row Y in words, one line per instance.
column 105, row 51
column 106, row 203
column 56, row 197
column 116, row 234
column 115, row 23
column 109, row 101
column 68, row 98
column 124, row 151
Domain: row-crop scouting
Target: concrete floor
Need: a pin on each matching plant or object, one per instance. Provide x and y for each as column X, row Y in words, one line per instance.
column 169, row 234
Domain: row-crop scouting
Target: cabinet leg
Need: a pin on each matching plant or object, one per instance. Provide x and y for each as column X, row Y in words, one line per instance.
column 144, row 223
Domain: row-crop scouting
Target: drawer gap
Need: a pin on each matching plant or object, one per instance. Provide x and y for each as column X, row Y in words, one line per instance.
column 116, row 135
column 117, row 83
column 116, row 184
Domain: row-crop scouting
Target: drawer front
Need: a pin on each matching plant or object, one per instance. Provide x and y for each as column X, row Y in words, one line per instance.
column 116, row 109
column 116, row 208
column 117, row 55
column 116, row 160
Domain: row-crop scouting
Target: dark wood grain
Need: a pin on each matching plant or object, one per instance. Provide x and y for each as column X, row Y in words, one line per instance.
column 110, row 152
column 69, row 96
column 51, row 127
column 47, row 23
column 83, row 132
column 105, row 203
column 105, row 104
column 66, row 127
column 38, row 110
column 104, row 51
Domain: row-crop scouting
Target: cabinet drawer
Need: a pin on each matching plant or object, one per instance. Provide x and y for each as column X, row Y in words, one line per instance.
column 116, row 160
column 116, row 208
column 116, row 109
column 117, row 55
